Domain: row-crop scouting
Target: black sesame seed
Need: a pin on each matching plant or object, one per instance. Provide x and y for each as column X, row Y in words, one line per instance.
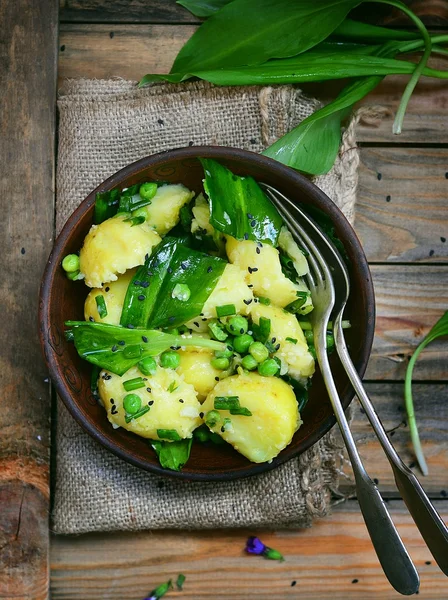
column 112, row 401
column 250, row 285
column 446, row 175
column 203, row 319
column 247, row 302
column 412, row 465
column 443, row 240
column 293, row 583
column 375, row 481
column 91, row 319
column 355, row 580
column 201, row 314
column 181, row 401
column 242, row 330
column 274, row 340
column 149, row 273
column 141, row 297
column 114, row 410
column 62, row 47
column 114, row 348
column 216, row 378
column 246, row 236
column 431, row 253
column 379, row 176
column 253, row 223
column 183, row 266
column 392, row 433
column 201, row 414
column 257, row 250
column 443, row 494
column 229, row 347
column 107, row 289
column 145, row 284
column 387, row 198
column 23, row 251
column 121, row 343
column 146, row 257
column 169, row 270
column 136, row 282
column 196, row 323
column 427, row 562
column 223, row 429
column 277, row 347
column 171, row 319
column 111, row 35
column 209, row 269
column 249, row 216
column 145, row 339
column 130, row 326
column 151, row 402
column 160, row 121
column 148, row 390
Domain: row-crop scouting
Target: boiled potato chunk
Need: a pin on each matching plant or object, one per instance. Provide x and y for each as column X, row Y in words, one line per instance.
column 285, row 325
column 262, row 270
column 289, row 246
column 166, row 411
column 230, row 289
column 201, row 214
column 163, row 212
column 113, row 247
column 275, row 415
column 195, row 367
column 114, row 294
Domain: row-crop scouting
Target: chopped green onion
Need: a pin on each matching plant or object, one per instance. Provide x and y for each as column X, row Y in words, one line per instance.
column 181, row 292
column 212, row 417
column 172, row 387
column 302, row 297
column 265, row 301
column 242, row 411
column 292, row 340
column 227, row 424
column 168, row 434
column 135, row 220
column 180, row 581
column 226, row 310
column 101, row 306
column 217, row 331
column 226, row 402
column 262, row 330
column 133, row 384
column 143, row 411
column 71, row 263
column 160, row 591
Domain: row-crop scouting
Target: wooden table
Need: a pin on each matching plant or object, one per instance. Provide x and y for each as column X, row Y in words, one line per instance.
column 402, row 218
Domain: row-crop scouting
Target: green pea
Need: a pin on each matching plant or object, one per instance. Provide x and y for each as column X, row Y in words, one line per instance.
column 242, row 342
column 71, row 263
column 170, row 359
column 148, row 191
column 73, row 276
column 249, row 363
column 237, row 325
column 220, row 363
column 148, row 366
column 227, row 353
column 201, row 434
column 268, row 368
column 132, row 403
column 258, row 351
column 212, row 417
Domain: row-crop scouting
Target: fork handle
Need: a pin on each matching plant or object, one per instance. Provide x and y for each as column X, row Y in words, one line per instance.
column 430, row 524
column 392, row 554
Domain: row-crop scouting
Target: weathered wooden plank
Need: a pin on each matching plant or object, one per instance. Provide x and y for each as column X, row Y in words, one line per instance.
column 333, row 559
column 124, row 11
column 402, row 208
column 409, row 300
column 431, row 411
column 28, row 80
column 131, row 51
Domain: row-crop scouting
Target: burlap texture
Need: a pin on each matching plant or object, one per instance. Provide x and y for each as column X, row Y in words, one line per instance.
column 103, row 126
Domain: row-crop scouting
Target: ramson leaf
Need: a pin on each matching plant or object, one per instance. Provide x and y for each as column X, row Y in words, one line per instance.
column 172, row 455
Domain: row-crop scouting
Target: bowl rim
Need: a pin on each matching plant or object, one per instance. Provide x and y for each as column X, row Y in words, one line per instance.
column 191, row 152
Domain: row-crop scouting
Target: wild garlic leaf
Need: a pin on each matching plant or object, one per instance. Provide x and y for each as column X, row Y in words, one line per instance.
column 172, row 455
column 203, row 8
column 440, row 329
column 246, row 32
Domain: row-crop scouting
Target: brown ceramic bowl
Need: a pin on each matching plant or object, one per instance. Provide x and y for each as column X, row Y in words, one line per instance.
column 62, row 300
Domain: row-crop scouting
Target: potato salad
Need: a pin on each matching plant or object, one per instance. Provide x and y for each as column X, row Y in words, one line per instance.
column 196, row 316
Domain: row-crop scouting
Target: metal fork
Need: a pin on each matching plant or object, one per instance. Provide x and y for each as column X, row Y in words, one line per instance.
column 430, row 524
column 391, row 552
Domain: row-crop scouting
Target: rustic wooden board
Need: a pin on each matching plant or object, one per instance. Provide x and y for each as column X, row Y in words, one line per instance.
column 409, row 300
column 28, row 73
column 431, row 411
column 334, row 559
column 402, row 208
column 131, row 51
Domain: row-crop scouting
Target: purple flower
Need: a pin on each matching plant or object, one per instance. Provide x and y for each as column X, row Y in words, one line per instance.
column 255, row 546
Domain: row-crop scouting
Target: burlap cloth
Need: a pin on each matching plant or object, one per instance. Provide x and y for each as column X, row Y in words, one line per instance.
column 103, row 126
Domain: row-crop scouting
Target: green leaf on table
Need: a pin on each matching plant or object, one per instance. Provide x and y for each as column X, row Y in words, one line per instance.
column 238, row 206
column 364, row 32
column 150, row 301
column 117, row 348
column 172, row 455
column 253, row 31
column 440, row 329
column 203, row 8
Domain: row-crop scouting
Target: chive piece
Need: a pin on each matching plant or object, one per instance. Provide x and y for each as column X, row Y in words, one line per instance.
column 226, row 402
column 212, row 417
column 181, row 292
column 133, row 384
column 217, row 331
column 180, row 581
column 168, row 434
column 262, row 330
column 264, row 300
column 292, row 340
column 132, row 351
column 135, row 220
column 242, row 411
column 101, row 306
column 143, row 411
column 226, row 310
column 302, row 297
column 172, row 387
column 161, row 590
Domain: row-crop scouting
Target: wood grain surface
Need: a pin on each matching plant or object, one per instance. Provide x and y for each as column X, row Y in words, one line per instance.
column 28, row 79
column 334, row 559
